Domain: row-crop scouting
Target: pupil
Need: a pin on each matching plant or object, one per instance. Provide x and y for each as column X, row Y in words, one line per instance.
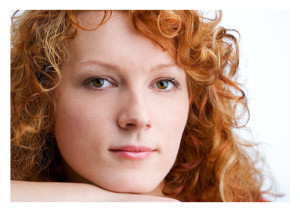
column 162, row 84
column 98, row 82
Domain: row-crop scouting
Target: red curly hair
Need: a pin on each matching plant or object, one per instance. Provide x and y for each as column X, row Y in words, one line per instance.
column 211, row 164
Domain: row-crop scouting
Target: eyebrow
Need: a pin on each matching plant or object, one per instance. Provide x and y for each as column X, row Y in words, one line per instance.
column 110, row 66
column 100, row 63
column 163, row 66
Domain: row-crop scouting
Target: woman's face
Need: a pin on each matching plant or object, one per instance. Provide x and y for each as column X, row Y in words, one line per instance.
column 122, row 106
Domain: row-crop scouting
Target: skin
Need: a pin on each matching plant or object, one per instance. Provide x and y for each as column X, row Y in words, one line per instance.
column 136, row 104
column 71, row 192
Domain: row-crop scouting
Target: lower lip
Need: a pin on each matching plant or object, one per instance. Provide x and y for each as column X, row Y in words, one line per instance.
column 133, row 155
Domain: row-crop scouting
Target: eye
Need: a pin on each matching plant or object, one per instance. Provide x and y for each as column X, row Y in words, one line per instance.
column 166, row 84
column 99, row 83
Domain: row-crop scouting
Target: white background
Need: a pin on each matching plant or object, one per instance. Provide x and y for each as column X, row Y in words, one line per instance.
column 264, row 70
column 275, row 155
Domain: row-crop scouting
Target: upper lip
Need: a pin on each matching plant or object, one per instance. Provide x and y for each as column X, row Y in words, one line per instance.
column 132, row 148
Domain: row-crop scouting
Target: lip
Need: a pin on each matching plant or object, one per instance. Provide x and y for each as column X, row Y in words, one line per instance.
column 132, row 152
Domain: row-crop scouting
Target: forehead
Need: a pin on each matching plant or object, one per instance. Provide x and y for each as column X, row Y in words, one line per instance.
column 114, row 41
column 91, row 18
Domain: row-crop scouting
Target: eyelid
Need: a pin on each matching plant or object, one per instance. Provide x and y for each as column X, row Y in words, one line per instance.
column 89, row 80
column 172, row 80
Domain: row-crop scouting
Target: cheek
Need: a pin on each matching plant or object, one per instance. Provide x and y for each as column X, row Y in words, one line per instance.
column 171, row 122
column 77, row 112
column 79, row 126
column 173, row 116
column 71, row 119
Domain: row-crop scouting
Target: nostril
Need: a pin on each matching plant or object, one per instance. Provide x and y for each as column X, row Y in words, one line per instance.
column 130, row 125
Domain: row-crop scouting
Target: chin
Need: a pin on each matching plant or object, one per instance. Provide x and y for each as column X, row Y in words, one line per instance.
column 131, row 186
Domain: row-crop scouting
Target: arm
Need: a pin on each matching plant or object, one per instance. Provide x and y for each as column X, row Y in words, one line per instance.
column 22, row 191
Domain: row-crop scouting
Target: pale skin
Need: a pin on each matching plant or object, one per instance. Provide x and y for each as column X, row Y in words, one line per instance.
column 74, row 192
column 117, row 89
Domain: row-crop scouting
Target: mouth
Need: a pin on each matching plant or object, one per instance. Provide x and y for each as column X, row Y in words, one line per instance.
column 132, row 152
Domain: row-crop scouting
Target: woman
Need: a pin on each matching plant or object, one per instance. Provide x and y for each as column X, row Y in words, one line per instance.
column 127, row 106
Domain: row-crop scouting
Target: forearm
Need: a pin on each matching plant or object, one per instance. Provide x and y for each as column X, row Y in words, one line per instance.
column 54, row 191
column 22, row 191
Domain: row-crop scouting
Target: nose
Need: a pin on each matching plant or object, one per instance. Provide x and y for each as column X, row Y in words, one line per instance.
column 134, row 114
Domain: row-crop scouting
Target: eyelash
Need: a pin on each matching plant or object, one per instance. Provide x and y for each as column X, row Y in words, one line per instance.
column 172, row 80
column 90, row 81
